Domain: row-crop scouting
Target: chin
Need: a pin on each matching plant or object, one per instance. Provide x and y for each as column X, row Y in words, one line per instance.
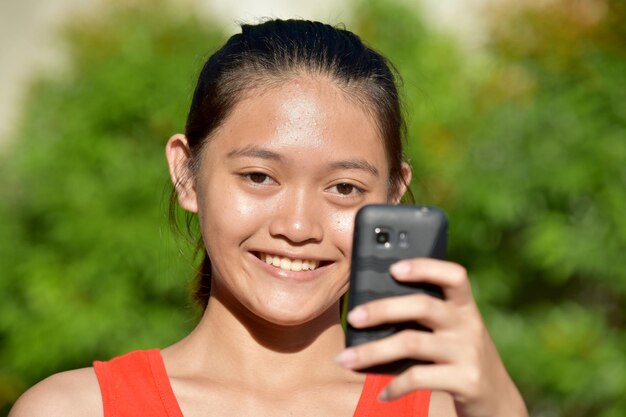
column 297, row 314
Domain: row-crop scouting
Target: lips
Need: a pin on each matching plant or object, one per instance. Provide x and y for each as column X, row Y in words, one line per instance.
column 289, row 264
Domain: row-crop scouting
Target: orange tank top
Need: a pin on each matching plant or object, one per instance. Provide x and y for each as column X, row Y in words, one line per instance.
column 136, row 384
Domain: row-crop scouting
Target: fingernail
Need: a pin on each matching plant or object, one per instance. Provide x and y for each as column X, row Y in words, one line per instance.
column 346, row 358
column 357, row 316
column 400, row 268
column 384, row 395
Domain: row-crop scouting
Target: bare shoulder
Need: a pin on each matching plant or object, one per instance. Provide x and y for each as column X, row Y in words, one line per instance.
column 441, row 405
column 68, row 394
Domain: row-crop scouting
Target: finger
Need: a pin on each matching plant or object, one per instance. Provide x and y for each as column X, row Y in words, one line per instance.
column 451, row 277
column 431, row 377
column 408, row 344
column 425, row 309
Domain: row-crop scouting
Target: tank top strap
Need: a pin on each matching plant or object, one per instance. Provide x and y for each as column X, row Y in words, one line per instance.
column 414, row 404
column 136, row 384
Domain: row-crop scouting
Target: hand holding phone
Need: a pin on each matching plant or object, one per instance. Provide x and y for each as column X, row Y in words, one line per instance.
column 383, row 235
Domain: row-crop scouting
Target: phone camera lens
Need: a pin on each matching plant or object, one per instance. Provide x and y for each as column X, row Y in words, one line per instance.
column 382, row 237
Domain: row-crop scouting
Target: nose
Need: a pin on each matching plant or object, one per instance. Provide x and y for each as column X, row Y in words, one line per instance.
column 298, row 219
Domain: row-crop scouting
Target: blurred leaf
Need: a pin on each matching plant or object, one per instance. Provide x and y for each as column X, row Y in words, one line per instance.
column 89, row 266
column 524, row 145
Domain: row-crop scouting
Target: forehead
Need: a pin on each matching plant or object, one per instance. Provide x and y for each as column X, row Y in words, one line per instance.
column 307, row 114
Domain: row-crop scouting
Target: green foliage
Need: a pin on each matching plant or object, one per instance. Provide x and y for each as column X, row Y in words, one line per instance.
column 89, row 266
column 523, row 144
column 525, row 147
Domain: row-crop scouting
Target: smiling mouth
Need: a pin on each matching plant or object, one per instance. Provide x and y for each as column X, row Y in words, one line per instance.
column 290, row 264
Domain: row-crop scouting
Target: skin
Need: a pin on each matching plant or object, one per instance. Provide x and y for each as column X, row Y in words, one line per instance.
column 284, row 175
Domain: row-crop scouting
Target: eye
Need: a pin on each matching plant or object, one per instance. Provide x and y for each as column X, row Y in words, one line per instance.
column 347, row 189
column 258, row 178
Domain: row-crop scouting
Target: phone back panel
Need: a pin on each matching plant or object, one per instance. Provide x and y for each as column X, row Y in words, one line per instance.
column 383, row 235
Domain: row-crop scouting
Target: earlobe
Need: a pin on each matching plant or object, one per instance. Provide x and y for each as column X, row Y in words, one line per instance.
column 178, row 156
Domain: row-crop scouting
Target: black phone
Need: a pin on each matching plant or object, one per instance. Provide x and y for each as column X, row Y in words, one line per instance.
column 384, row 234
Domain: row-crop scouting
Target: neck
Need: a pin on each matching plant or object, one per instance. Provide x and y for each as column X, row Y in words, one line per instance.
column 274, row 337
column 230, row 341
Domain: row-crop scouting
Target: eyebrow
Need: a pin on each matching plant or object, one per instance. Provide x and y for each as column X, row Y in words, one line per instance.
column 253, row 151
column 355, row 164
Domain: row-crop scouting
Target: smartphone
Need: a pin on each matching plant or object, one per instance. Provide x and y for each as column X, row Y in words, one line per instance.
column 384, row 234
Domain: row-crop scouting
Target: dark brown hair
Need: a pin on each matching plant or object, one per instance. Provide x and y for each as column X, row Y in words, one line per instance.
column 270, row 53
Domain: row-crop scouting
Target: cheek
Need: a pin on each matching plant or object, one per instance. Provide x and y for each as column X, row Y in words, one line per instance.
column 341, row 224
column 236, row 206
column 230, row 217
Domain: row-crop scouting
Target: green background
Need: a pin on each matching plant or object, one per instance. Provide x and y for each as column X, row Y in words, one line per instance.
column 522, row 142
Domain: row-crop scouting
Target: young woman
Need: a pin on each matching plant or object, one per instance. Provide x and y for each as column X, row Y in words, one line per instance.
column 294, row 126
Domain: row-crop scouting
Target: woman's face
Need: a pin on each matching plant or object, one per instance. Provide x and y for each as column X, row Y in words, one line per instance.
column 279, row 185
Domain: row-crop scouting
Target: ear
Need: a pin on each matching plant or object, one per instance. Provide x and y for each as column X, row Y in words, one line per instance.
column 178, row 156
column 403, row 183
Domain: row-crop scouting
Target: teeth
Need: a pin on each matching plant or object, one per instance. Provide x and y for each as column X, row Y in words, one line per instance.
column 296, row 265
column 285, row 263
column 289, row 264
